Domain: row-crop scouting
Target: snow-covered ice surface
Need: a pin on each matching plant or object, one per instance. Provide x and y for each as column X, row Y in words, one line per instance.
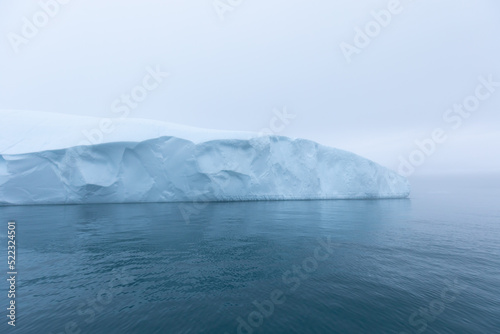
column 46, row 167
column 34, row 131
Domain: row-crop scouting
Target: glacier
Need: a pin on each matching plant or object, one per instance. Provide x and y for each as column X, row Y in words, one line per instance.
column 238, row 167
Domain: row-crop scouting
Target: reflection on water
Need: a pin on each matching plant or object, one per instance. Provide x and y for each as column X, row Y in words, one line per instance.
column 145, row 268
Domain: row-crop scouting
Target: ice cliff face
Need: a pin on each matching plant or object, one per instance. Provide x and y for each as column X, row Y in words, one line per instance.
column 169, row 169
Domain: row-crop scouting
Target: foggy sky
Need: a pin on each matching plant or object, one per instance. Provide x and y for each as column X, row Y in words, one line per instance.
column 233, row 73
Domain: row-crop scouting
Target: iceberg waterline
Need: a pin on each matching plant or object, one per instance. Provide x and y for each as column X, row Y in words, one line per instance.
column 170, row 169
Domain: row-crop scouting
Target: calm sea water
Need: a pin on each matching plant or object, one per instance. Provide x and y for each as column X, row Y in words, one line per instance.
column 429, row 264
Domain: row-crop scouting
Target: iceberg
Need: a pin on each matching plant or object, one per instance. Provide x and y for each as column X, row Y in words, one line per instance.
column 205, row 165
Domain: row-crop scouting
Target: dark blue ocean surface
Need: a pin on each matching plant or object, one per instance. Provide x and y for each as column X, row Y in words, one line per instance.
column 428, row 264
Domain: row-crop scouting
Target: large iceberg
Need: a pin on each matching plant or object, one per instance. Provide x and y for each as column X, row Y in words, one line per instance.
column 190, row 166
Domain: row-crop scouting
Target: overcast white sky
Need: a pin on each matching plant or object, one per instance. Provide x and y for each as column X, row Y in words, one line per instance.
column 232, row 73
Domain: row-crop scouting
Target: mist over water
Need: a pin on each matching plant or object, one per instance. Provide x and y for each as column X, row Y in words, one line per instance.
column 427, row 264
